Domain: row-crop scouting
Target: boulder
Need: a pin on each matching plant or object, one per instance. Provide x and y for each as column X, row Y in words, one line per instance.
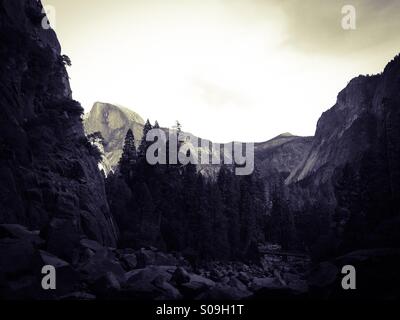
column 236, row 283
column 16, row 231
column 195, row 286
column 63, row 237
column 298, row 286
column 244, row 277
column 180, row 276
column 264, row 283
column 150, row 283
column 20, row 270
column 102, row 262
column 146, row 257
column 17, row 257
column 323, row 275
column 169, row 292
column 91, row 244
column 129, row 261
column 106, row 286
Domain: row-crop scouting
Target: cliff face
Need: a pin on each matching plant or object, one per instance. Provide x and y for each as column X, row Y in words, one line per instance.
column 358, row 122
column 49, row 179
column 352, row 171
column 342, row 131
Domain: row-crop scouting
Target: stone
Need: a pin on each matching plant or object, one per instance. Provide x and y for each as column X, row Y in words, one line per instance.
column 106, row 286
column 16, row 231
column 63, row 239
column 244, row 277
column 323, row 275
column 195, row 286
column 103, row 261
column 264, row 283
column 169, row 292
column 180, row 276
column 129, row 261
column 150, row 283
column 298, row 286
column 148, row 257
column 17, row 257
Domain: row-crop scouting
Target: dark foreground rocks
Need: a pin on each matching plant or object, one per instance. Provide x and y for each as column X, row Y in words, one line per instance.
column 99, row 272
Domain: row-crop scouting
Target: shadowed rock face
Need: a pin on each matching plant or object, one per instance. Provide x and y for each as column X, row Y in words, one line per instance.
column 276, row 159
column 282, row 154
column 363, row 117
column 342, row 131
column 113, row 122
column 49, row 179
column 355, row 151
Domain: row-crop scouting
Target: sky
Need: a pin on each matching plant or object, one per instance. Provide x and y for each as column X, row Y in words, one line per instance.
column 244, row 70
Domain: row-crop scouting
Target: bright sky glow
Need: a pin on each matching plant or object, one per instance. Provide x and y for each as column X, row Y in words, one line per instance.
column 227, row 70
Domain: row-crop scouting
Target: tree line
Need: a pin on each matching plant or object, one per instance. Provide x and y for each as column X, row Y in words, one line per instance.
column 175, row 208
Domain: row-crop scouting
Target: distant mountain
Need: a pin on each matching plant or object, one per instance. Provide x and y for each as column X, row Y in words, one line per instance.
column 282, row 153
column 113, row 122
column 276, row 157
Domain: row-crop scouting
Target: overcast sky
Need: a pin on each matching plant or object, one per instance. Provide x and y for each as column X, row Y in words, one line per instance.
column 243, row 70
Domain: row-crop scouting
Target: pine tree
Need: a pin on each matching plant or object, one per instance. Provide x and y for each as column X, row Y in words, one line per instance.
column 229, row 187
column 129, row 156
column 144, row 144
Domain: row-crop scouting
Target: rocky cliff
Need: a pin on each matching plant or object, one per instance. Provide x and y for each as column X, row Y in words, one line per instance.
column 49, row 180
column 364, row 118
column 350, row 179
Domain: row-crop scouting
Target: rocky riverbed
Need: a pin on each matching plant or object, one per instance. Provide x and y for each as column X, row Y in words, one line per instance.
column 98, row 272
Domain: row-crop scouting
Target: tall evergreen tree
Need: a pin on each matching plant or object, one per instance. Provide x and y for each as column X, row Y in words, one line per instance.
column 144, row 144
column 129, row 156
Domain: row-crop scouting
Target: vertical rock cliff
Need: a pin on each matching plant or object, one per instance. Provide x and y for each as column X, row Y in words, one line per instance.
column 352, row 172
column 49, row 179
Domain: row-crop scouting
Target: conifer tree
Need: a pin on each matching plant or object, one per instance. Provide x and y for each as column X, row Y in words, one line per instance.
column 129, row 155
column 145, row 144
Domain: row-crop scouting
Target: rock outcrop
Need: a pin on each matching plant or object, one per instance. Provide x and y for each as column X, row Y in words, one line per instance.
column 49, row 180
column 351, row 174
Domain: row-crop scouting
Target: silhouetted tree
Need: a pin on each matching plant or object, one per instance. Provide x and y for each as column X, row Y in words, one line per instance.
column 129, row 156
